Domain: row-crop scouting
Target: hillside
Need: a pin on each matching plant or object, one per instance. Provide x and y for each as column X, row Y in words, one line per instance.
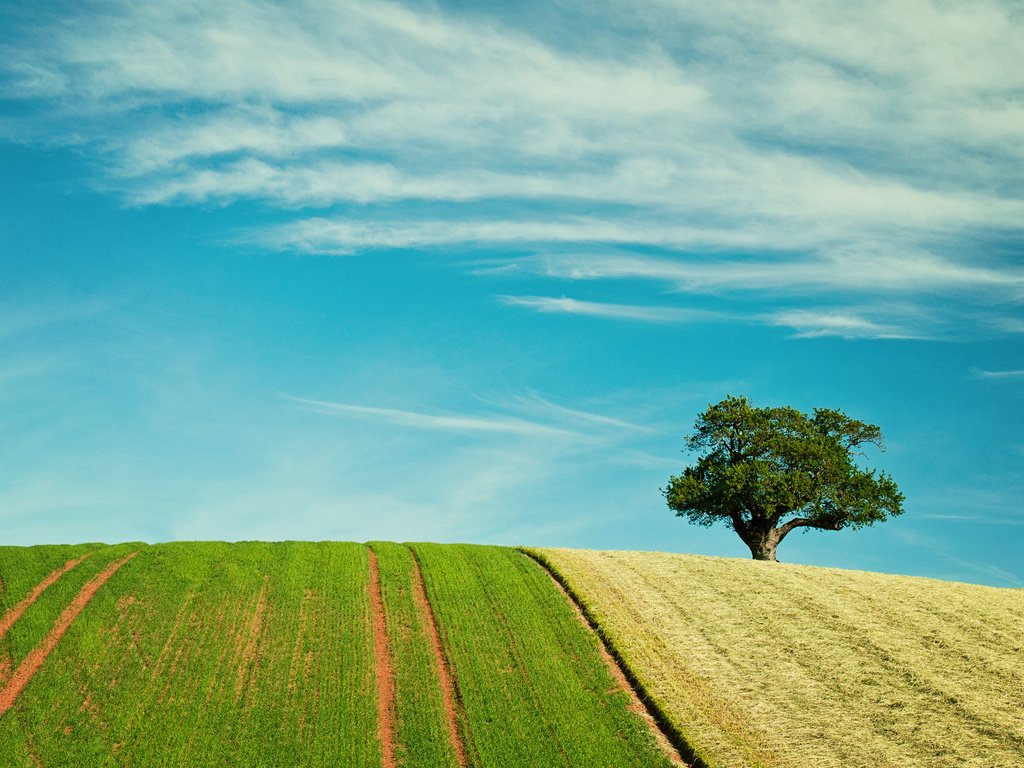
column 429, row 655
column 786, row 666
column 292, row 654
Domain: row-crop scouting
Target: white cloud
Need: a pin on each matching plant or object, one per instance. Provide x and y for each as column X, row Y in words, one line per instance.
column 811, row 324
column 528, row 416
column 1007, row 324
column 866, row 268
column 325, row 235
column 864, row 147
column 649, row 314
column 808, row 323
column 983, row 374
column 549, row 411
column 904, row 78
column 440, row 422
column 260, row 131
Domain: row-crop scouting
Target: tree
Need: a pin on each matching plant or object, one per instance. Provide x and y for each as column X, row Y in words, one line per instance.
column 768, row 471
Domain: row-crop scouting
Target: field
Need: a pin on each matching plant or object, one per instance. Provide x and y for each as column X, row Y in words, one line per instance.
column 273, row 654
column 450, row 656
column 777, row 665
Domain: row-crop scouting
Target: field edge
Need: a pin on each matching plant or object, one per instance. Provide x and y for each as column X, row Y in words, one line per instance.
column 690, row 752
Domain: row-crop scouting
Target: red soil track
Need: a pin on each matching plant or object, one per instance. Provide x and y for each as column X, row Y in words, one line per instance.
column 35, row 658
column 451, row 705
column 14, row 613
column 385, row 674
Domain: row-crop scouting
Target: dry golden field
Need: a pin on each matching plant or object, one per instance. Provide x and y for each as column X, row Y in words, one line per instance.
column 787, row 666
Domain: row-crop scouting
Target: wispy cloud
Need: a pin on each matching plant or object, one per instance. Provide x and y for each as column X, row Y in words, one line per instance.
column 865, row 268
column 972, row 519
column 807, row 323
column 528, row 415
column 15, row 371
column 980, row 373
column 547, row 410
column 17, row 318
column 648, row 314
column 811, row 324
column 791, row 148
column 439, row 422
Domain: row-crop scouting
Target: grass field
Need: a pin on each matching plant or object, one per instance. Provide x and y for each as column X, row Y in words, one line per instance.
column 777, row 665
column 209, row 654
column 533, row 686
column 261, row 654
column 422, row 735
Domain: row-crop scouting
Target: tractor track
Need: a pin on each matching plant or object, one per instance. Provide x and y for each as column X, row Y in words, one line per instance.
column 35, row 658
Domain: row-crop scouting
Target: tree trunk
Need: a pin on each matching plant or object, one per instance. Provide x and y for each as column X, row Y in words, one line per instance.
column 763, row 544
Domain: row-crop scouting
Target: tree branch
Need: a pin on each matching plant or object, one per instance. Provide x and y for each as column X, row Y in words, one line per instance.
column 796, row 522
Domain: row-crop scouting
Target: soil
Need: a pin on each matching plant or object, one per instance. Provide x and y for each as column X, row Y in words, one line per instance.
column 385, row 674
column 35, row 658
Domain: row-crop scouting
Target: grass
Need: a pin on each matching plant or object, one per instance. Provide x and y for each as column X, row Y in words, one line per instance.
column 262, row 654
column 23, row 570
column 210, row 654
column 421, row 728
column 534, row 689
column 784, row 666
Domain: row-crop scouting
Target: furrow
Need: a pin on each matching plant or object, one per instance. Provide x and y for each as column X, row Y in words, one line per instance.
column 31, row 664
column 385, row 673
column 15, row 613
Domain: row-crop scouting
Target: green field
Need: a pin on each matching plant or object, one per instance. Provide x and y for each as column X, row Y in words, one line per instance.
column 788, row 666
column 263, row 654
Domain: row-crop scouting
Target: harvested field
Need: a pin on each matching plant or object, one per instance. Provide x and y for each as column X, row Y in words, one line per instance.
column 766, row 664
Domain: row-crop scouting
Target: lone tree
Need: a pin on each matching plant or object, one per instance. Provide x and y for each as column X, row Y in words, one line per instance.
column 768, row 471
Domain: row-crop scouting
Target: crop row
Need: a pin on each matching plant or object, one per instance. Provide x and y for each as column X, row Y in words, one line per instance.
column 263, row 654
column 532, row 683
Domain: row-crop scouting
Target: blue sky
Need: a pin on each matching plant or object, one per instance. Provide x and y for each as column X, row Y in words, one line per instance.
column 468, row 272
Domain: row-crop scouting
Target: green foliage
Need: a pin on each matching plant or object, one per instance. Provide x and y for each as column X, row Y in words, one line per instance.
column 767, row 471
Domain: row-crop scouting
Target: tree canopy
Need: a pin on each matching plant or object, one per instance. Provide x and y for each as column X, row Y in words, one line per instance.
column 768, row 471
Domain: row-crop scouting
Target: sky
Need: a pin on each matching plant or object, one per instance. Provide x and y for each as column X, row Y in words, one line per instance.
column 469, row 271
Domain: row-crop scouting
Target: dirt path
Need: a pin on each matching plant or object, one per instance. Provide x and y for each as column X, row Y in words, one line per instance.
column 13, row 614
column 619, row 673
column 385, row 674
column 448, row 689
column 35, row 658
